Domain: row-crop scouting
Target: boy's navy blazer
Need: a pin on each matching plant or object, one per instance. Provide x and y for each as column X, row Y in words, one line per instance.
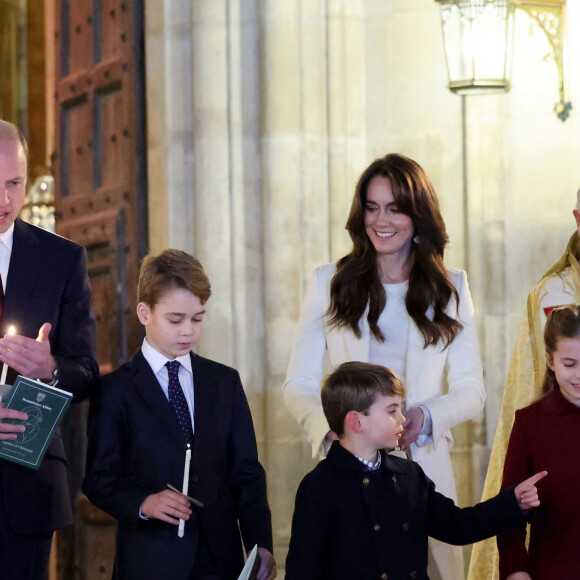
column 136, row 448
column 47, row 282
column 353, row 524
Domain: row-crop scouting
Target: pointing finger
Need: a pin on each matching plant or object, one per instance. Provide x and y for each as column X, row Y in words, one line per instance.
column 535, row 478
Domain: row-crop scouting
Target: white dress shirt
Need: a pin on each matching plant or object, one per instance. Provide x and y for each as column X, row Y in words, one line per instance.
column 6, row 241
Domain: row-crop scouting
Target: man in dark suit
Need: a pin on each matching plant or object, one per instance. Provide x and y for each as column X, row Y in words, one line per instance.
column 45, row 294
column 143, row 418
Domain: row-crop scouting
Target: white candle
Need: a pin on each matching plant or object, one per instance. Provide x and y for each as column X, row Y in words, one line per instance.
column 185, row 490
column 11, row 331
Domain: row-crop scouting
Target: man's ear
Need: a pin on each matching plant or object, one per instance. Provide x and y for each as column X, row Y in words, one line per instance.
column 143, row 313
column 352, row 421
column 550, row 361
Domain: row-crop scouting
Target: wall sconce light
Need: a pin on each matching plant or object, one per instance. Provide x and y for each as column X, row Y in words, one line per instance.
column 478, row 39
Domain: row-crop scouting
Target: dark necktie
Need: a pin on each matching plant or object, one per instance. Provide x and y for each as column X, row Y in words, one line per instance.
column 177, row 400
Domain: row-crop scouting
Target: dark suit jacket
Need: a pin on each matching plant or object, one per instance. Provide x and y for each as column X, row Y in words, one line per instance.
column 47, row 282
column 545, row 435
column 353, row 524
column 136, row 448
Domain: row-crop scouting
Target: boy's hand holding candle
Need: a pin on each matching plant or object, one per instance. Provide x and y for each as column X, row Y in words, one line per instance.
column 167, row 505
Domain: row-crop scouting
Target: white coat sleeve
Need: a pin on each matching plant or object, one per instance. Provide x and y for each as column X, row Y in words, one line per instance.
column 306, row 367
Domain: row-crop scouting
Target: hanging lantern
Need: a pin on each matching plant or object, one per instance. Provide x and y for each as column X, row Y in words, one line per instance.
column 478, row 40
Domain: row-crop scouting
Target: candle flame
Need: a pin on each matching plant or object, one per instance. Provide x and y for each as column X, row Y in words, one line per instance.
column 12, row 330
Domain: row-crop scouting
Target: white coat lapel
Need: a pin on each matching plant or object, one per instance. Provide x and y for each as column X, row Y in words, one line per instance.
column 358, row 348
column 415, row 361
column 344, row 346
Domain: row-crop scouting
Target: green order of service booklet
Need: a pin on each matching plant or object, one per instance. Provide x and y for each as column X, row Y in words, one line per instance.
column 45, row 407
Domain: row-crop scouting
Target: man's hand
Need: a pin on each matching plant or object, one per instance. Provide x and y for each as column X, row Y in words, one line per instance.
column 527, row 493
column 413, row 425
column 267, row 570
column 8, row 431
column 166, row 505
column 31, row 358
column 519, row 576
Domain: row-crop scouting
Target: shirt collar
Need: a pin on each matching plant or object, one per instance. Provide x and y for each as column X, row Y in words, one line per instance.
column 157, row 360
column 372, row 465
column 7, row 238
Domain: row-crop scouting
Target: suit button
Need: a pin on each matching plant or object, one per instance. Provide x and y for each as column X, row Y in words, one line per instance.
column 377, row 527
column 406, row 527
column 366, row 481
column 413, row 574
column 195, row 479
column 384, row 576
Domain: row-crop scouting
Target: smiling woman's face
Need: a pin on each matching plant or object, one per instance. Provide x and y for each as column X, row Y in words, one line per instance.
column 390, row 231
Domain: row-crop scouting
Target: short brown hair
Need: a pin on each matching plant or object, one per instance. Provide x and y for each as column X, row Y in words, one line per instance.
column 354, row 386
column 170, row 270
column 10, row 132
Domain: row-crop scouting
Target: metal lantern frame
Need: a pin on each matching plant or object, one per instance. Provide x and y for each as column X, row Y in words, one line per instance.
column 477, row 29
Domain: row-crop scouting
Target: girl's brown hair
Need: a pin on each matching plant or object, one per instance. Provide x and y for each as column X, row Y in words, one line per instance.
column 563, row 322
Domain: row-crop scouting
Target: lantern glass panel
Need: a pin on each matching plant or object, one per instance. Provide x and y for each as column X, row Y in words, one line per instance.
column 478, row 38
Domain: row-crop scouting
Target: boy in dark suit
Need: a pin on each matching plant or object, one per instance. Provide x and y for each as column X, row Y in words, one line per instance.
column 146, row 413
column 362, row 513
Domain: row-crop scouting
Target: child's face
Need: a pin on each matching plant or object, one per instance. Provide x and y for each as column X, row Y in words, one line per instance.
column 565, row 362
column 173, row 326
column 383, row 425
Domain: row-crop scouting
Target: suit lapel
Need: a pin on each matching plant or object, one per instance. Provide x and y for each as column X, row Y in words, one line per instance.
column 23, row 273
column 415, row 358
column 149, row 389
column 204, row 399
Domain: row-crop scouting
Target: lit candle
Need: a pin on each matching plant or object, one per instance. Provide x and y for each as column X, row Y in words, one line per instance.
column 185, row 489
column 12, row 332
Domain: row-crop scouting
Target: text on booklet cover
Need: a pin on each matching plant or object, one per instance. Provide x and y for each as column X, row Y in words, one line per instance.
column 45, row 407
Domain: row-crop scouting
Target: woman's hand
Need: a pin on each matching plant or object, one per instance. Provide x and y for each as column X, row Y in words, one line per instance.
column 413, row 425
column 331, row 436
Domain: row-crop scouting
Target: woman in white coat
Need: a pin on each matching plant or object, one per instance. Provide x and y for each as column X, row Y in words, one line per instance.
column 392, row 301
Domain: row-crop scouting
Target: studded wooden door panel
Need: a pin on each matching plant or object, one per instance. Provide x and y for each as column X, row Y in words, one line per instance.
column 100, row 177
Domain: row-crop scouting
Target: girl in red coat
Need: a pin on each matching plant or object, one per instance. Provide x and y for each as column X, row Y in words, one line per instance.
column 545, row 436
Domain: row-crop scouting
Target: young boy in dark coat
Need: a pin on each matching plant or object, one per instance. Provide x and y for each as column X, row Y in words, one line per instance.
column 146, row 413
column 364, row 514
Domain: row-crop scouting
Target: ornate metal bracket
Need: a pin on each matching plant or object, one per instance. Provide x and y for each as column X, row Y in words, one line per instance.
column 549, row 16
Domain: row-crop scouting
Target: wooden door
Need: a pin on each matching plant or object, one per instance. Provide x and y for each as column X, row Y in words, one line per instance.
column 99, row 163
